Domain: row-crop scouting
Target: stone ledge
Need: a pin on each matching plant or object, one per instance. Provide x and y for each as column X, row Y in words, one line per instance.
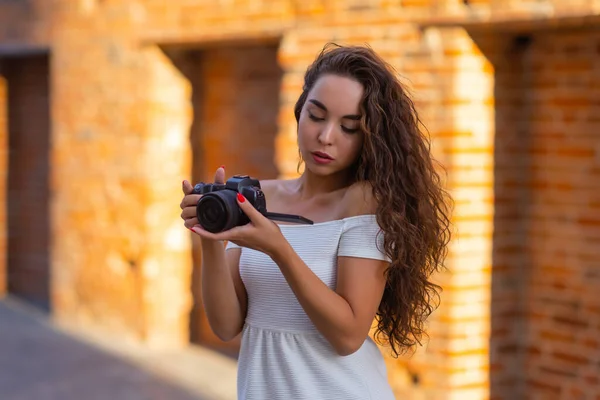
column 511, row 21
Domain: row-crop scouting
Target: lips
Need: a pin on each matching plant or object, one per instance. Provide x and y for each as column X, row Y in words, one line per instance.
column 321, row 158
column 322, row 155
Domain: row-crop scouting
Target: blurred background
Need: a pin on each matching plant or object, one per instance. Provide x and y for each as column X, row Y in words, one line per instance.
column 107, row 105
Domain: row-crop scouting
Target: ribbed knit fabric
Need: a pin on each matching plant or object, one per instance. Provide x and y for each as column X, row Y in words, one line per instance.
column 283, row 356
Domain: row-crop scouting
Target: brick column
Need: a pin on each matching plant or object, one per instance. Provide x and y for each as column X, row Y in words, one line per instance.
column 121, row 124
column 471, row 83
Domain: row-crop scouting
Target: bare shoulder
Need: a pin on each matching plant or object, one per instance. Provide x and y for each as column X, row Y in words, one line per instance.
column 359, row 200
column 269, row 186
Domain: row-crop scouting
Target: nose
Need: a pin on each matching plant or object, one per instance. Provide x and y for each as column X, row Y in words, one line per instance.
column 326, row 135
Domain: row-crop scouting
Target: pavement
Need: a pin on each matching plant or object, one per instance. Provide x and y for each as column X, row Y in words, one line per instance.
column 40, row 361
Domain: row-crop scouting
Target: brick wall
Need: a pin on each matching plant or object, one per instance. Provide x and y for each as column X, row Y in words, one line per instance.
column 121, row 119
column 469, row 153
column 563, row 295
column 561, row 306
column 544, row 316
column 121, row 265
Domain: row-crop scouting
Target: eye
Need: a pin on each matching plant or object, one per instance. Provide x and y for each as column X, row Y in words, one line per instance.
column 314, row 118
column 349, row 130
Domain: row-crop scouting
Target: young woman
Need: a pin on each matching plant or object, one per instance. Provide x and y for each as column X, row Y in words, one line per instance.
column 305, row 296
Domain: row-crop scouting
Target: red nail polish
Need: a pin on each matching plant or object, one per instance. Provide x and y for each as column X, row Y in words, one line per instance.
column 222, row 166
column 241, row 198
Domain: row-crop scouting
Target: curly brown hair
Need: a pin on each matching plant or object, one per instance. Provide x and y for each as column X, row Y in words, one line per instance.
column 413, row 208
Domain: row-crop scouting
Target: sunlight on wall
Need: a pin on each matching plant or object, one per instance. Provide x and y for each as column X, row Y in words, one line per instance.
column 473, row 174
column 167, row 269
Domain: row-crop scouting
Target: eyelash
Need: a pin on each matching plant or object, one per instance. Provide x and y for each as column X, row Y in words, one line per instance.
column 347, row 130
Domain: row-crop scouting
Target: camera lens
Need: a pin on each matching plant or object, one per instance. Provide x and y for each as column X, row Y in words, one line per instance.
column 218, row 211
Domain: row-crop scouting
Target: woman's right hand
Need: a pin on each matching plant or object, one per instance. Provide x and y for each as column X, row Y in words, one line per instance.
column 189, row 202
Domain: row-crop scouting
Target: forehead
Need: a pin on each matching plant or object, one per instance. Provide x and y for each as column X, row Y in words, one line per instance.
column 339, row 94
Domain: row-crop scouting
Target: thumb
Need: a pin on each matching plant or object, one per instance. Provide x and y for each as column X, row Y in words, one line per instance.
column 187, row 187
column 220, row 175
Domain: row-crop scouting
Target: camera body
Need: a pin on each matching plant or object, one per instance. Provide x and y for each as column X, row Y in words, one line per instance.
column 218, row 210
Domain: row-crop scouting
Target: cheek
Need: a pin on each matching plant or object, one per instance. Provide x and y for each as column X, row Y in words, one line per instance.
column 301, row 133
column 304, row 129
column 353, row 147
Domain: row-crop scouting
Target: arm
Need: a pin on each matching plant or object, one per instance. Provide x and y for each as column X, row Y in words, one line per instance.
column 223, row 292
column 344, row 316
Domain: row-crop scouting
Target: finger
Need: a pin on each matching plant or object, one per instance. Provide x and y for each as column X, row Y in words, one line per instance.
column 220, row 175
column 188, row 212
column 190, row 222
column 253, row 214
column 234, row 234
column 203, row 233
column 187, row 187
column 191, row 200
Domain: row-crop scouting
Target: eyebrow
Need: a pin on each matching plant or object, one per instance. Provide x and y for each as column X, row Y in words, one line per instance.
column 322, row 107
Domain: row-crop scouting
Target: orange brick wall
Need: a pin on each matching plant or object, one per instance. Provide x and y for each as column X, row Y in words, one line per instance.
column 544, row 315
column 468, row 149
column 121, row 120
column 563, row 302
column 124, row 106
column 561, row 305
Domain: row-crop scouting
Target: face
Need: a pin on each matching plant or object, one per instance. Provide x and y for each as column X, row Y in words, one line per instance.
column 329, row 134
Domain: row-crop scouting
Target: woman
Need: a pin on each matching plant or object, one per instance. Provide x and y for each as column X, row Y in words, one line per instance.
column 305, row 296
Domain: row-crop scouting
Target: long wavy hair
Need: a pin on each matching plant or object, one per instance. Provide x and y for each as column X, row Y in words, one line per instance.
column 413, row 208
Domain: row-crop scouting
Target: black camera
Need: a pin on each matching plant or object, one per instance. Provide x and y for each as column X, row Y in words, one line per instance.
column 218, row 211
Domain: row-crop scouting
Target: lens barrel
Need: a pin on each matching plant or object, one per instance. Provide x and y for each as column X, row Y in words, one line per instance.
column 218, row 211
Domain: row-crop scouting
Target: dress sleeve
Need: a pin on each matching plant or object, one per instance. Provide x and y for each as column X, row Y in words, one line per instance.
column 362, row 237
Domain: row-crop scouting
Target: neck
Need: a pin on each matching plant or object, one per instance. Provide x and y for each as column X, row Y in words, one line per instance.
column 310, row 184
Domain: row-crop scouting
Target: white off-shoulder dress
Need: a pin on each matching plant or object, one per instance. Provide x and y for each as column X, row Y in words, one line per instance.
column 282, row 355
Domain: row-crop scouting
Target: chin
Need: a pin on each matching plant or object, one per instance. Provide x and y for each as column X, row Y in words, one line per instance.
column 321, row 170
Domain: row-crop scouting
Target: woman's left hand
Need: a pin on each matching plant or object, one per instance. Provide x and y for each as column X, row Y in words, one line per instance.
column 260, row 234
